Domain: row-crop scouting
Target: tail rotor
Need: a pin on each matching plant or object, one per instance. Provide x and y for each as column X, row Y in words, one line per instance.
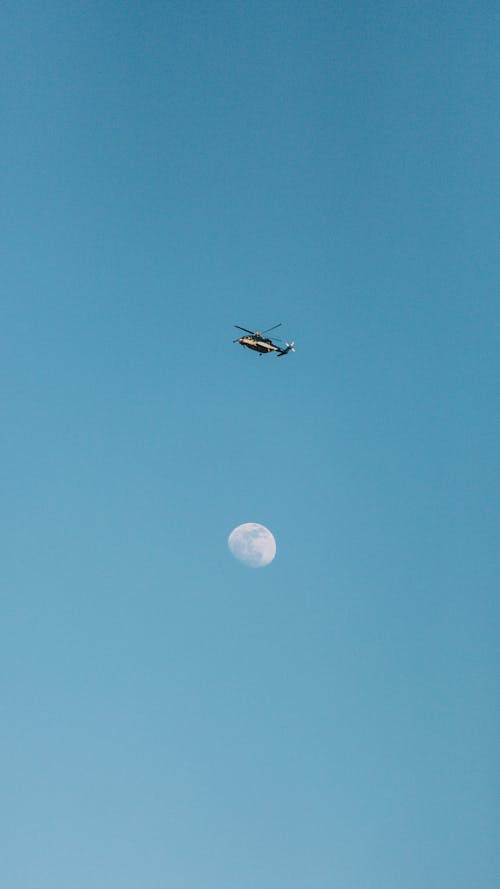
column 289, row 347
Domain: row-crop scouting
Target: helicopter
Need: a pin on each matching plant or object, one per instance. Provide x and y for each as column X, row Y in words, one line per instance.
column 256, row 340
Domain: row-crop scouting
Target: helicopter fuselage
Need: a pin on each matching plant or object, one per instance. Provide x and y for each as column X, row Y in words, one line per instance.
column 258, row 344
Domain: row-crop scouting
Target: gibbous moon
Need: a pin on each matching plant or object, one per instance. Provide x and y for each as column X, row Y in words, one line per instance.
column 252, row 544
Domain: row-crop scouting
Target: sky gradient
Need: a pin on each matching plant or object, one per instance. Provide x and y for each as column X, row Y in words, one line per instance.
column 170, row 718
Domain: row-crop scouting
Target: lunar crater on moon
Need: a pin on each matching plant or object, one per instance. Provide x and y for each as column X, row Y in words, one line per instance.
column 252, row 544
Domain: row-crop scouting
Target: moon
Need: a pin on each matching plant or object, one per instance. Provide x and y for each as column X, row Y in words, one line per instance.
column 252, row 544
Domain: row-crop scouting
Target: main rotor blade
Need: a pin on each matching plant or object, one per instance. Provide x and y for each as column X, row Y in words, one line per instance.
column 245, row 329
column 272, row 328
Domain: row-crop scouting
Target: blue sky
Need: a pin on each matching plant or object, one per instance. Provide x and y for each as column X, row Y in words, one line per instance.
column 171, row 718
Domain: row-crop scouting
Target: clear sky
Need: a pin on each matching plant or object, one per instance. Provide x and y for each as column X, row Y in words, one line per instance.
column 172, row 719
